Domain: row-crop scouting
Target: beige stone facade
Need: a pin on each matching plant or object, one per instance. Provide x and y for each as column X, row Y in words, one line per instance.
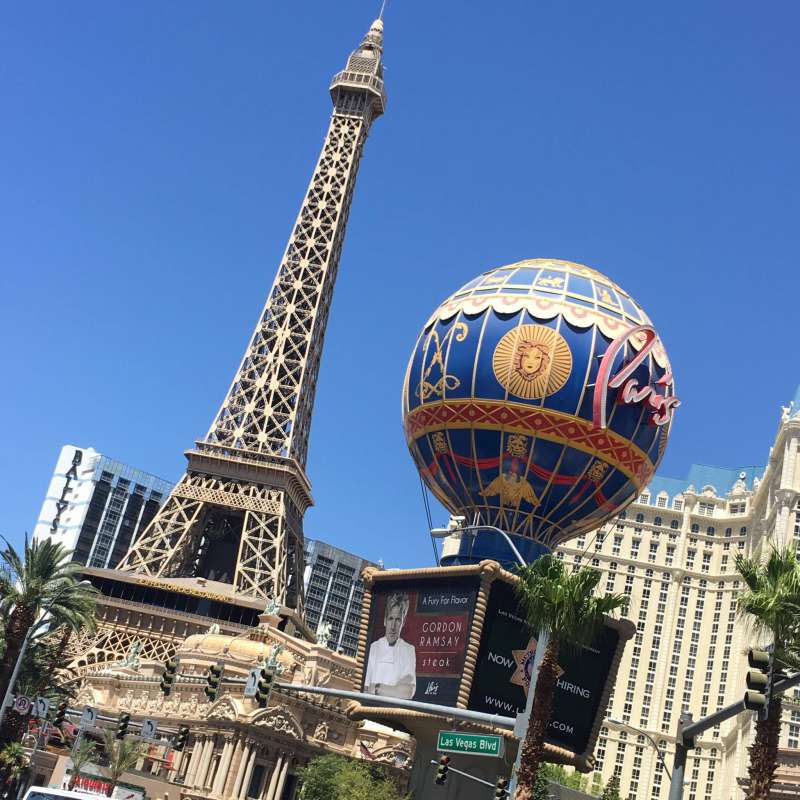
column 673, row 552
column 236, row 749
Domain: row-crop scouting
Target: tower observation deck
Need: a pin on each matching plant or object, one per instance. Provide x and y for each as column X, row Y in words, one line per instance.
column 236, row 516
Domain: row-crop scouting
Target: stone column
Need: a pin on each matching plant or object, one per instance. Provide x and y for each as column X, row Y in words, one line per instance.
column 233, row 769
column 177, row 763
column 282, row 779
column 222, row 769
column 248, row 774
column 273, row 779
column 237, row 784
column 204, row 772
column 194, row 760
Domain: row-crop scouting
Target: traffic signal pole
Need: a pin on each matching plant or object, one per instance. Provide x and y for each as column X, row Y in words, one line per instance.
column 689, row 730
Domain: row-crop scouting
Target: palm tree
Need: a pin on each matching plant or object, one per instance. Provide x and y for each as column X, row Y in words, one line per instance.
column 41, row 579
column 771, row 604
column 14, row 764
column 563, row 606
column 84, row 752
column 121, row 754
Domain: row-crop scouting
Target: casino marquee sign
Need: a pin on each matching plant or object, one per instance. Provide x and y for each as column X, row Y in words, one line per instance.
column 454, row 636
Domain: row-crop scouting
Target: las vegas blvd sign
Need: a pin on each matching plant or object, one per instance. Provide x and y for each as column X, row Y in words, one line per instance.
column 472, row 744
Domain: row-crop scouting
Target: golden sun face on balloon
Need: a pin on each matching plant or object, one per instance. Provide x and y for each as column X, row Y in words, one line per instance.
column 532, row 361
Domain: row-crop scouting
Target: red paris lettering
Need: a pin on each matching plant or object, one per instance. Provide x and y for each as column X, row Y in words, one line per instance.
column 661, row 405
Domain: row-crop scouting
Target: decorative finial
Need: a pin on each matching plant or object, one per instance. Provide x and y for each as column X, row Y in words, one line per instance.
column 383, row 8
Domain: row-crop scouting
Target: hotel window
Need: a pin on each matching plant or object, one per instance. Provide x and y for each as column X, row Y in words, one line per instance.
column 658, row 521
column 677, row 504
column 695, row 528
column 635, row 547
column 662, row 501
column 674, row 524
column 653, row 551
column 710, row 530
column 738, row 508
column 615, row 547
column 640, row 517
column 706, row 509
column 644, row 499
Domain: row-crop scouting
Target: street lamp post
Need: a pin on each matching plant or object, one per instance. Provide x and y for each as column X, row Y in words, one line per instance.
column 622, row 724
column 25, row 642
column 456, row 526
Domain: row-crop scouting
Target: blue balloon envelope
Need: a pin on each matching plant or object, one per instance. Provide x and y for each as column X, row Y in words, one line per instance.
column 538, row 399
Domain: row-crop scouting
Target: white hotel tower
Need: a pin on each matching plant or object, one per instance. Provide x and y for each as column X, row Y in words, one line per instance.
column 673, row 552
column 95, row 505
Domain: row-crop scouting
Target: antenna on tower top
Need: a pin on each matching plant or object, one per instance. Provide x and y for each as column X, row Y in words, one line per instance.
column 383, row 8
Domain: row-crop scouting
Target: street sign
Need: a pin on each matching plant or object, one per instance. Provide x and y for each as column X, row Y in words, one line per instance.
column 22, row 705
column 148, row 728
column 252, row 682
column 88, row 718
column 40, row 707
column 472, row 744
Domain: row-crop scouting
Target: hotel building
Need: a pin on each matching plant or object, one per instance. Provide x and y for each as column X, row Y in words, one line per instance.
column 673, row 552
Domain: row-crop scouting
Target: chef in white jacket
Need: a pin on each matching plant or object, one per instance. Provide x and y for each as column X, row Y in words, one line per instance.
column 392, row 662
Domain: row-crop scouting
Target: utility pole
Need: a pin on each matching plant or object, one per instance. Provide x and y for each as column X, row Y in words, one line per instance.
column 688, row 731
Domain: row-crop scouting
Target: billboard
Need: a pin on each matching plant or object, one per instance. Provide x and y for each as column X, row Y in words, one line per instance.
column 502, row 673
column 455, row 636
column 417, row 638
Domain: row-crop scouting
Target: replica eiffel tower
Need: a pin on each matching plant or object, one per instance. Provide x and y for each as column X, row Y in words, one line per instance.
column 229, row 537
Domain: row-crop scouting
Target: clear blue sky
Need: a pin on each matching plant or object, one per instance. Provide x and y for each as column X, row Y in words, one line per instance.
column 153, row 156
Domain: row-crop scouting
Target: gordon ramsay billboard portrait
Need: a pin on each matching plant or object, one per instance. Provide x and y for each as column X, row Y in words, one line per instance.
column 417, row 638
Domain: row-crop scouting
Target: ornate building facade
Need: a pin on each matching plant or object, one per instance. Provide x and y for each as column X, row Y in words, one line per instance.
column 238, row 750
column 673, row 553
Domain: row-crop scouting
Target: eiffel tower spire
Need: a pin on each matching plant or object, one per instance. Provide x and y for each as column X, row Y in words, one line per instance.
column 236, row 516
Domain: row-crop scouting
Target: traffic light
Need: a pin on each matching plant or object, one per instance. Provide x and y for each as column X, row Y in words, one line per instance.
column 214, row 678
column 442, row 770
column 501, row 789
column 180, row 739
column 759, row 677
column 169, row 676
column 61, row 712
column 122, row 725
column 266, row 679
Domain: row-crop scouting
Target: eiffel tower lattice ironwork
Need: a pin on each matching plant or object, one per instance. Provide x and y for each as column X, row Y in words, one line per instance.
column 236, row 516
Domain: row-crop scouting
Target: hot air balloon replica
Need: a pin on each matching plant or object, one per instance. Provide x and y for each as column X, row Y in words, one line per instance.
column 538, row 400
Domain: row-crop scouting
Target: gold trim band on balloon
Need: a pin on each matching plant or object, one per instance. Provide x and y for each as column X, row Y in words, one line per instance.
column 553, row 426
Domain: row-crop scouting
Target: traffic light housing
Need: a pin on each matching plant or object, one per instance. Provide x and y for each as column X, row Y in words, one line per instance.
column 759, row 679
column 61, row 712
column 501, row 789
column 169, row 676
column 214, row 679
column 122, row 725
column 442, row 770
column 266, row 679
column 180, row 739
